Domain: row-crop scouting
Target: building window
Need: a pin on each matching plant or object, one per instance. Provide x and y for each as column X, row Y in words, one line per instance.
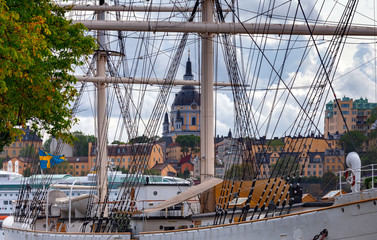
column 308, row 172
column 345, row 112
column 77, row 166
column 193, row 121
column 20, row 144
column 124, row 159
column 118, row 159
column 345, row 105
column 83, row 167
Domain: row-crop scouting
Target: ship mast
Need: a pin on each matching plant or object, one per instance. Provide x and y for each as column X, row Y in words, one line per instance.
column 207, row 164
column 102, row 124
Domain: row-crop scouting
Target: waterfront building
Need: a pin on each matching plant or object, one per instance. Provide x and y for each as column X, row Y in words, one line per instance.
column 355, row 112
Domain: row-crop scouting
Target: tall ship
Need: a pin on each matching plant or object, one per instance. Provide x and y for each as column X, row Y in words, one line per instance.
column 279, row 63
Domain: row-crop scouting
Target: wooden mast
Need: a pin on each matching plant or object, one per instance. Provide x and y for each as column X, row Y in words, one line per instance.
column 101, row 115
column 207, row 164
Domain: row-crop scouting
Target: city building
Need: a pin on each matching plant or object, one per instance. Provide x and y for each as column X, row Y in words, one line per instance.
column 185, row 111
column 314, row 154
column 26, row 140
column 165, row 169
column 124, row 156
column 355, row 113
column 18, row 164
column 78, row 166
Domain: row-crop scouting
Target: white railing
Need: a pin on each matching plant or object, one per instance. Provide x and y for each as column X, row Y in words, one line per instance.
column 368, row 173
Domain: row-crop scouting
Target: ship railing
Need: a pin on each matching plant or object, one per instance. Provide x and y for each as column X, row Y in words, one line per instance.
column 368, row 179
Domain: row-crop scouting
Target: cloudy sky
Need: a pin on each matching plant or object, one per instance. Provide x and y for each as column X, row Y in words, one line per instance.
column 148, row 55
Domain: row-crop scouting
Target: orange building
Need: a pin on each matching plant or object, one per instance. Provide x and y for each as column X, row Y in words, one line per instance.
column 334, row 160
column 165, row 169
column 187, row 166
column 78, row 166
column 124, row 156
column 355, row 112
column 173, row 152
column 314, row 155
column 17, row 164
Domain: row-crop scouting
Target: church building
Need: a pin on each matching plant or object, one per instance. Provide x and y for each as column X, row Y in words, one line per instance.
column 185, row 110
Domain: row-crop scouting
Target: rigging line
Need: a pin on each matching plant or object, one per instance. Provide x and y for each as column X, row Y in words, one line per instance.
column 267, row 60
column 281, row 72
column 326, row 73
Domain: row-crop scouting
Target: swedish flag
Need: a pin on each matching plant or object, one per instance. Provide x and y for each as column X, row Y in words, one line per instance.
column 48, row 160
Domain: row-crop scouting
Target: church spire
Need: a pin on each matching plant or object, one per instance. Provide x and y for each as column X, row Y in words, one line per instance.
column 188, row 75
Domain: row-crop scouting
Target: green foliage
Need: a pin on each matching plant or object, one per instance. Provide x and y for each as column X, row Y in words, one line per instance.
column 27, row 172
column 352, row 141
column 62, row 168
column 144, row 139
column 244, row 171
column 38, row 49
column 369, row 157
column 80, row 144
column 276, row 142
column 329, row 182
column 46, row 145
column 29, row 151
column 152, row 172
column 118, row 142
column 189, row 143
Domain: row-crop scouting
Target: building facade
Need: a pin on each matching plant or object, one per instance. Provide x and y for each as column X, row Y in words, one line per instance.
column 355, row 112
column 125, row 156
column 27, row 140
column 184, row 116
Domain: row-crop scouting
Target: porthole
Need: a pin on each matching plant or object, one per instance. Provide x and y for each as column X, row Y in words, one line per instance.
column 155, row 193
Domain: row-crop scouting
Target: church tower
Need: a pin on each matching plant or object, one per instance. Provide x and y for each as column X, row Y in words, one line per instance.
column 185, row 110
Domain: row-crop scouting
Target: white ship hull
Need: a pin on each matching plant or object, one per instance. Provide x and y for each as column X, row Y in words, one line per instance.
column 356, row 220
column 22, row 232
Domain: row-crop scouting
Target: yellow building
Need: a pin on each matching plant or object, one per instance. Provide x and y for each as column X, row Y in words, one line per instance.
column 26, row 140
column 355, row 112
column 185, row 111
column 124, row 156
column 165, row 169
column 315, row 155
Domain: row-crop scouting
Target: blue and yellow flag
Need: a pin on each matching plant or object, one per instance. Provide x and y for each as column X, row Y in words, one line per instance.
column 49, row 160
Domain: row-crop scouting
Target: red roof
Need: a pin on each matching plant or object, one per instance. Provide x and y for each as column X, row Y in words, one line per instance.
column 174, row 144
column 185, row 159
